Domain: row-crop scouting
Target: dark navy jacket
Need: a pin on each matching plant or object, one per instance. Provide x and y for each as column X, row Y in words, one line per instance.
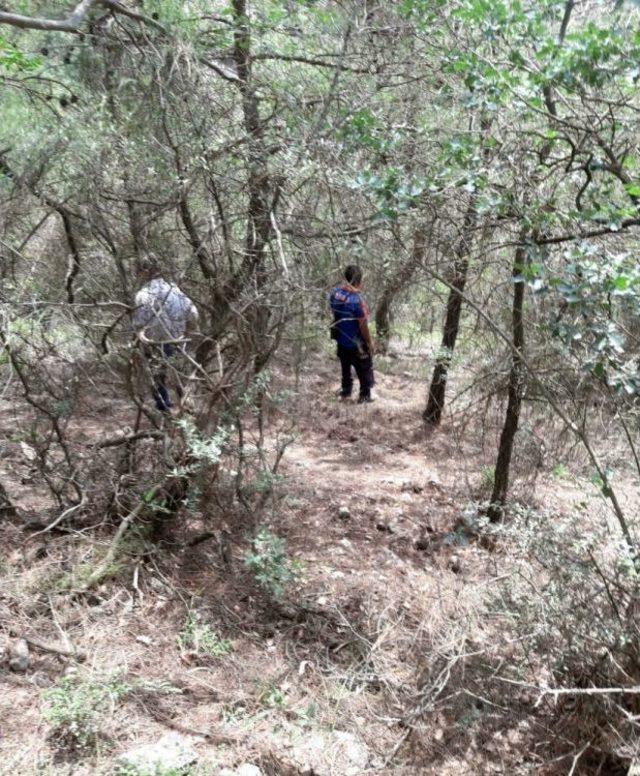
column 349, row 308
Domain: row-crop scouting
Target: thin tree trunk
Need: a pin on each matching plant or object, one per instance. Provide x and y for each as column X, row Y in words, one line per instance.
column 516, row 391
column 73, row 267
column 7, row 508
column 395, row 284
column 495, row 512
column 438, row 387
column 260, row 189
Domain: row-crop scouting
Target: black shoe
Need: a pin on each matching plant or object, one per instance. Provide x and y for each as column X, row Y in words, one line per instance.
column 343, row 396
column 365, row 400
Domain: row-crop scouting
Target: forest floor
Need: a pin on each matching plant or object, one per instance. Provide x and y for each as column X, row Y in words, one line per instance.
column 342, row 675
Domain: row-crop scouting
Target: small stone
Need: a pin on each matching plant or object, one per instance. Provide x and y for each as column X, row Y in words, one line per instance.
column 4, row 648
column 247, row 769
column 423, row 543
column 454, row 564
column 384, row 527
column 344, row 512
column 354, row 750
column 411, row 486
column 171, row 753
column 157, row 585
column 28, row 452
column 42, row 680
column 19, row 656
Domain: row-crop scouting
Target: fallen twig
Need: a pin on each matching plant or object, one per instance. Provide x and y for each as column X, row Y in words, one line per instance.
column 54, row 649
column 102, row 569
column 62, row 516
column 121, row 440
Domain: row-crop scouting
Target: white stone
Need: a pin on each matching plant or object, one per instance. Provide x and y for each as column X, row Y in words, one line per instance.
column 19, row 656
column 332, row 753
column 170, row 752
column 247, row 769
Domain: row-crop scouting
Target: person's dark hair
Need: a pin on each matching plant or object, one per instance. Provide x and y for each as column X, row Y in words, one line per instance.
column 353, row 274
column 149, row 267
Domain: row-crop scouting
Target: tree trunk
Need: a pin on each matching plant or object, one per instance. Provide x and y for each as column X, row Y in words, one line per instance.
column 7, row 508
column 438, row 387
column 516, row 391
column 261, row 194
column 396, row 284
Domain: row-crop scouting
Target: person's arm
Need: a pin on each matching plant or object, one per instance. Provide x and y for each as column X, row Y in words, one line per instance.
column 333, row 326
column 366, row 335
column 192, row 319
column 141, row 315
column 363, row 323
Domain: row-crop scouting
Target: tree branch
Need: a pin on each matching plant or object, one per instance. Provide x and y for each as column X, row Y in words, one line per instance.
column 560, row 238
column 311, row 61
column 70, row 24
column 117, row 7
column 75, row 18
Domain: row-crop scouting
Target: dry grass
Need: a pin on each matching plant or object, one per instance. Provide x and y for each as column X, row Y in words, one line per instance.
column 379, row 638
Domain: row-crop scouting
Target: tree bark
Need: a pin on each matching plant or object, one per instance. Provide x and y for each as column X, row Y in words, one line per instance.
column 495, row 511
column 437, row 390
column 395, row 284
column 261, row 192
column 73, row 266
column 7, row 508
column 72, row 22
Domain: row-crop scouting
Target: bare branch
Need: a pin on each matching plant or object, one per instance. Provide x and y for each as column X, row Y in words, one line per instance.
column 70, row 24
column 75, row 19
column 311, row 61
column 221, row 70
column 117, row 7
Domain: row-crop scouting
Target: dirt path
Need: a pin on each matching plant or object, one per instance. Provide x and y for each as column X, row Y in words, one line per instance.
column 337, row 663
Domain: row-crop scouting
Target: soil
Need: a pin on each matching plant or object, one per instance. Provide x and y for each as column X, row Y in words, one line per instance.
column 384, row 608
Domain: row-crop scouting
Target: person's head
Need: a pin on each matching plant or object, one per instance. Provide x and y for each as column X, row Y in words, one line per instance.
column 148, row 269
column 353, row 275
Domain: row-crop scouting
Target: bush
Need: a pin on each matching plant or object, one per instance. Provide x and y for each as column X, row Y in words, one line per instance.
column 76, row 708
column 572, row 602
column 197, row 636
column 268, row 561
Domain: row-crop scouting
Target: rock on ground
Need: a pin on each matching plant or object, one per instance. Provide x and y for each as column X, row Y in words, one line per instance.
column 330, row 754
column 246, row 769
column 171, row 753
column 19, row 656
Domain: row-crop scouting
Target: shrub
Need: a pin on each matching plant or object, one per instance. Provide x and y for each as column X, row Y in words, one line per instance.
column 198, row 637
column 572, row 605
column 76, row 708
column 268, row 561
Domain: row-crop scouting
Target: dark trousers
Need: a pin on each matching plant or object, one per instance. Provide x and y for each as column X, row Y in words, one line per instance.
column 158, row 358
column 362, row 362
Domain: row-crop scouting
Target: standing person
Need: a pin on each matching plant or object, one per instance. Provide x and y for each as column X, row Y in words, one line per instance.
column 163, row 315
column 350, row 329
